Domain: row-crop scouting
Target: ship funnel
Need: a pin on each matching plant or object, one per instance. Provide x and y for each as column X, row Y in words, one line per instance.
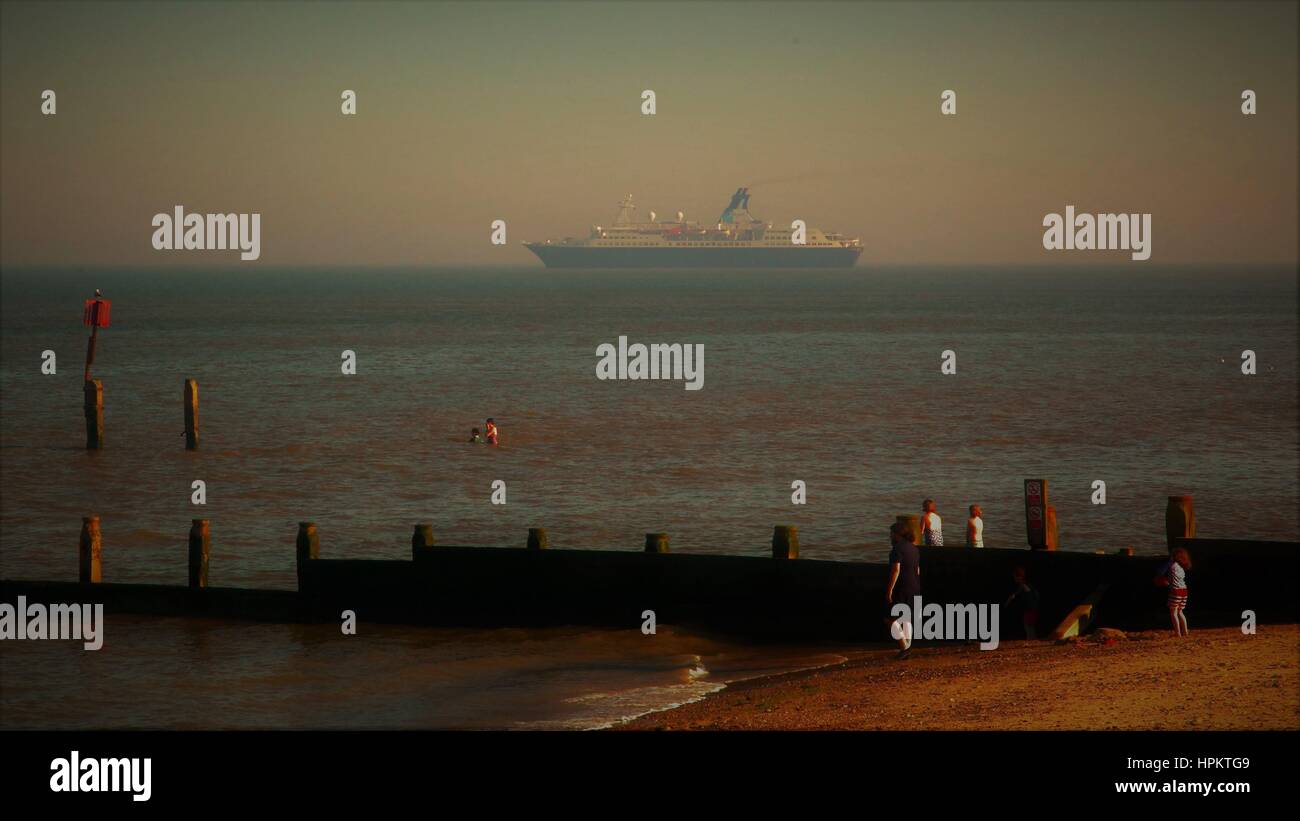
column 736, row 199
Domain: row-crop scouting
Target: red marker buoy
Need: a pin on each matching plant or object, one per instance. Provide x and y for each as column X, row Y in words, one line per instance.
column 94, row 315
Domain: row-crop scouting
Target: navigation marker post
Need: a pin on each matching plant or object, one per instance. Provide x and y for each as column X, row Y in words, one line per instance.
column 95, row 316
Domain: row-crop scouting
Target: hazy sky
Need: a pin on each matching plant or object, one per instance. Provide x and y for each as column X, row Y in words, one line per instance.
column 470, row 112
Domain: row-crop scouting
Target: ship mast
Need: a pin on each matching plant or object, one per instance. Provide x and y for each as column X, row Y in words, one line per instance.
column 625, row 209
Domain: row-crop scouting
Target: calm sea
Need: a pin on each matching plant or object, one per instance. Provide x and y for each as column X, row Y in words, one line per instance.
column 1131, row 376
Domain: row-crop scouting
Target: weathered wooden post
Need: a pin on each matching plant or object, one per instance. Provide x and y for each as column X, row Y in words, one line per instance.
column 1180, row 519
column 785, row 542
column 1036, row 513
column 191, row 414
column 200, row 547
column 1053, row 534
column 91, row 568
column 537, row 538
column 93, row 404
column 308, row 548
column 421, row 541
column 913, row 524
column 656, row 542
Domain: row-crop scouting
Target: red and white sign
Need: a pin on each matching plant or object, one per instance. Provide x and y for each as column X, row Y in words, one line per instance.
column 1035, row 506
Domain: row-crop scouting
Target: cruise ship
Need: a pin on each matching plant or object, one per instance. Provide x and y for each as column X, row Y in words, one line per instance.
column 737, row 240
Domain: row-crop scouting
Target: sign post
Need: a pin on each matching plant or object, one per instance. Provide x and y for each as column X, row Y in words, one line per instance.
column 1036, row 513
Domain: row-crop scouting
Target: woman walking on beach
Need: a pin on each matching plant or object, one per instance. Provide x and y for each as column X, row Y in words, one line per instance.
column 1175, row 578
column 904, row 584
column 931, row 525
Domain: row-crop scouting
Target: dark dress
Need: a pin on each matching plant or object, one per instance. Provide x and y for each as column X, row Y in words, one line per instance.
column 908, row 557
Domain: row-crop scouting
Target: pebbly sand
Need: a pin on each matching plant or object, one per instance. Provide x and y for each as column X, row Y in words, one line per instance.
column 1214, row 680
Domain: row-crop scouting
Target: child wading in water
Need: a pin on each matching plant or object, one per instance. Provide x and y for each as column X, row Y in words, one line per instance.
column 1174, row 576
column 491, row 432
column 475, row 437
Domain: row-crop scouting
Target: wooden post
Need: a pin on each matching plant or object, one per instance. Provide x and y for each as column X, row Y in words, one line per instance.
column 785, row 542
column 93, row 404
column 421, row 541
column 913, row 524
column 90, row 351
column 1053, row 534
column 656, row 542
column 537, row 538
column 191, row 414
column 1180, row 520
column 1126, row 551
column 1036, row 513
column 200, row 547
column 308, row 547
column 92, row 545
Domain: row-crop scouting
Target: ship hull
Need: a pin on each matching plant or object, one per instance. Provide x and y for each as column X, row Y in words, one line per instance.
column 578, row 256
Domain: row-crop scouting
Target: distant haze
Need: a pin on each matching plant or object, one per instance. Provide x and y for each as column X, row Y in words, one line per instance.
column 471, row 112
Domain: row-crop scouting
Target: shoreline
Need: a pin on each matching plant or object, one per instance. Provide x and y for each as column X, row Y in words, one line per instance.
column 1216, row 679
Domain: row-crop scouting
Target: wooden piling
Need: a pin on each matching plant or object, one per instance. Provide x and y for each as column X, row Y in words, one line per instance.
column 913, row 524
column 93, row 404
column 537, row 538
column 200, row 548
column 91, row 569
column 656, row 542
column 308, row 547
column 1180, row 519
column 421, row 541
column 785, row 542
column 191, row 396
column 1053, row 533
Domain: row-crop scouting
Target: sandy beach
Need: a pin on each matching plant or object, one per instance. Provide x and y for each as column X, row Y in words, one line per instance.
column 1214, row 680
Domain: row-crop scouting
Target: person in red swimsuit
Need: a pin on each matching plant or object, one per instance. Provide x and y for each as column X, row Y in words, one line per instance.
column 491, row 432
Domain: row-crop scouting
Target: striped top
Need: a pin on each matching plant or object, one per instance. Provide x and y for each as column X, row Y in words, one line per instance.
column 1177, row 577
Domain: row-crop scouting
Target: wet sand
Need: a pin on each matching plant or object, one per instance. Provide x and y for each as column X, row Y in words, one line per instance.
column 1213, row 680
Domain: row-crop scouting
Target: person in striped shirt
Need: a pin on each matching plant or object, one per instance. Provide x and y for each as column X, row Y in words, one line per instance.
column 1174, row 576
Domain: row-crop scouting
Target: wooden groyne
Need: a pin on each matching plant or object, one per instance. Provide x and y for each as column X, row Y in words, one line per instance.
column 781, row 597
column 786, row 599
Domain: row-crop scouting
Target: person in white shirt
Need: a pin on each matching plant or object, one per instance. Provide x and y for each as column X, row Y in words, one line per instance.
column 975, row 527
column 931, row 525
